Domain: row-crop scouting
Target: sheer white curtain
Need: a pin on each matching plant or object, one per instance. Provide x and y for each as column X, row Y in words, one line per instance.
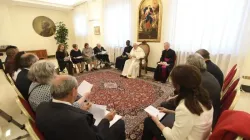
column 80, row 21
column 117, row 25
column 220, row 26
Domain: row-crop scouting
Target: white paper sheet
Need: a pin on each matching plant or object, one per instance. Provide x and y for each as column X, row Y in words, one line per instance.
column 79, row 57
column 116, row 118
column 154, row 112
column 98, row 112
column 84, row 88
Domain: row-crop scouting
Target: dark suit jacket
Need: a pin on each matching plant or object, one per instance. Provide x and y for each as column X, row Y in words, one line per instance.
column 127, row 50
column 215, row 71
column 58, row 121
column 170, row 54
column 23, row 83
column 210, row 83
column 97, row 50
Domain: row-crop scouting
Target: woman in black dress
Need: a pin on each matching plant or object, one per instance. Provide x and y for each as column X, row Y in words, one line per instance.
column 63, row 59
column 77, row 58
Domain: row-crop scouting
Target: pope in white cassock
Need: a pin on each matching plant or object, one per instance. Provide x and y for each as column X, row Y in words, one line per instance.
column 131, row 67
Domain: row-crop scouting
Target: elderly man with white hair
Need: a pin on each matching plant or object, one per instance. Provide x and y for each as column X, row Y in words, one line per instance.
column 59, row 120
column 166, row 64
column 101, row 54
column 131, row 67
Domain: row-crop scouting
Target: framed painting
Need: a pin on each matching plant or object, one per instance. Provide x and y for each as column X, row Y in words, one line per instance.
column 97, row 30
column 149, row 21
column 44, row 26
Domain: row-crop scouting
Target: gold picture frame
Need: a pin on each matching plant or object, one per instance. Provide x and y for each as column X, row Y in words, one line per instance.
column 149, row 21
column 44, row 26
column 97, row 30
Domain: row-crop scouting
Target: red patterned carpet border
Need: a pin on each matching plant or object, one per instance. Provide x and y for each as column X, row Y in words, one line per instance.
column 127, row 96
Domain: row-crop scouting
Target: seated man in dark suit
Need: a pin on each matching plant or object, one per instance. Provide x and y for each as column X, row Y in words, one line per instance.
column 211, row 67
column 209, row 83
column 120, row 61
column 22, row 81
column 59, row 120
column 101, row 54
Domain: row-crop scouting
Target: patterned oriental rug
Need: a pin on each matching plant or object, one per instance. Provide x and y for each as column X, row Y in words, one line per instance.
column 128, row 97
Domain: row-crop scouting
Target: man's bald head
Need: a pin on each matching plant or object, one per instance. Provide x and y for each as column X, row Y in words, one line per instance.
column 28, row 59
column 166, row 45
column 62, row 86
column 204, row 53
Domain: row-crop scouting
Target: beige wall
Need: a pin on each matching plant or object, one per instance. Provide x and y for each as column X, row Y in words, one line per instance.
column 17, row 28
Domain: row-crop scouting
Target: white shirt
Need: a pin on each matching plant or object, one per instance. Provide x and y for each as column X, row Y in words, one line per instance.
column 189, row 126
column 15, row 74
column 62, row 102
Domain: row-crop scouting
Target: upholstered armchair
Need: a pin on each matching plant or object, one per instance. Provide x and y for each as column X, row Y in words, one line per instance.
column 144, row 61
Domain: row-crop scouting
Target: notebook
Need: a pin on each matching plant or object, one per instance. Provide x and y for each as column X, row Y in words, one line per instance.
column 154, row 112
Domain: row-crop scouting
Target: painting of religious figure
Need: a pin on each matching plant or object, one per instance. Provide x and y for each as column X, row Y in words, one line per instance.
column 44, row 26
column 149, row 21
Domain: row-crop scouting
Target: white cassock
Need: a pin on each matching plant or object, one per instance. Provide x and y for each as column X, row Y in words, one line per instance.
column 131, row 67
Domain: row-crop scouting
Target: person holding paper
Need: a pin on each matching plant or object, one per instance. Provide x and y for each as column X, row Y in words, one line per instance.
column 194, row 112
column 59, row 120
column 120, row 61
column 76, row 57
column 166, row 64
column 63, row 59
column 41, row 74
column 89, row 57
column 101, row 54
column 131, row 68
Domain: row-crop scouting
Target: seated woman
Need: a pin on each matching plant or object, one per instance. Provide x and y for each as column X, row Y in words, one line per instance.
column 89, row 57
column 76, row 57
column 41, row 74
column 63, row 59
column 166, row 64
column 18, row 66
column 120, row 61
column 194, row 112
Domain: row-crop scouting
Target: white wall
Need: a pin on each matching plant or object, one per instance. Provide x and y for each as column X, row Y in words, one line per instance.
column 16, row 28
column 92, row 11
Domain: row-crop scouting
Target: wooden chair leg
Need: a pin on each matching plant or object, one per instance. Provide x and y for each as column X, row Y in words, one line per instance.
column 140, row 71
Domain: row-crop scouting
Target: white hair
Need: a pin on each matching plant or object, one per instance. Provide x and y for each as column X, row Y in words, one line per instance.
column 197, row 60
column 42, row 72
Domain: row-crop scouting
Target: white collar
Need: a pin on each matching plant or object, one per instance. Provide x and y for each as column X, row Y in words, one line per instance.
column 62, row 102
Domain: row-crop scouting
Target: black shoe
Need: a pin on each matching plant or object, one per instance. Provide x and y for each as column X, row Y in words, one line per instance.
column 163, row 82
column 81, row 72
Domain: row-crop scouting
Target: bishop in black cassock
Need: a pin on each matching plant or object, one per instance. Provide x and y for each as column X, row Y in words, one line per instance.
column 120, row 61
column 162, row 71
